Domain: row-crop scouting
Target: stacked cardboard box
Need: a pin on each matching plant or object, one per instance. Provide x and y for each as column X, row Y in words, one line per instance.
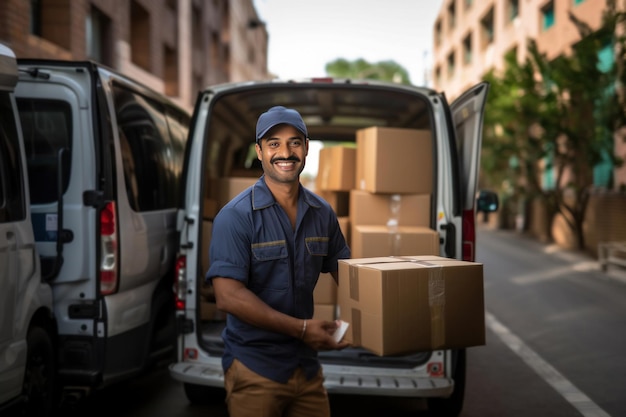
column 335, row 179
column 221, row 190
column 399, row 305
column 390, row 208
column 390, row 179
column 325, row 298
column 374, row 240
column 394, row 160
column 336, row 168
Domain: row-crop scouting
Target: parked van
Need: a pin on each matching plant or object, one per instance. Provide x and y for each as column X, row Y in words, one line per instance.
column 27, row 327
column 105, row 162
column 223, row 162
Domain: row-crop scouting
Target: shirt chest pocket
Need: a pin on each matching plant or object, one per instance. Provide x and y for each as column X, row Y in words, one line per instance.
column 270, row 266
column 317, row 246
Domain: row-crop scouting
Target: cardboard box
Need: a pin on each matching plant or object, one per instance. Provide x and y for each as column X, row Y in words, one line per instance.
column 371, row 240
column 344, row 225
column 380, row 209
column 325, row 291
column 325, row 312
column 220, row 191
column 402, row 305
column 394, row 160
column 338, row 200
column 229, row 188
column 336, row 169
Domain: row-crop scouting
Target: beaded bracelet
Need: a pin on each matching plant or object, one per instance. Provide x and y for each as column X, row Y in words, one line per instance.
column 303, row 329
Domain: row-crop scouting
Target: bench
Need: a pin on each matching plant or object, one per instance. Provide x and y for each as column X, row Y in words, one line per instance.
column 612, row 253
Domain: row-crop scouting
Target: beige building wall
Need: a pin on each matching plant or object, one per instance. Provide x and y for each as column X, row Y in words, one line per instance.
column 249, row 58
column 455, row 68
column 463, row 52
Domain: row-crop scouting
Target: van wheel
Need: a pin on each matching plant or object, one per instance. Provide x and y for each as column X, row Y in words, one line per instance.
column 452, row 406
column 39, row 380
column 203, row 395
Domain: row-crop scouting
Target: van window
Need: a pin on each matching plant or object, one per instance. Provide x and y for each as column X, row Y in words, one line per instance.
column 12, row 207
column 47, row 128
column 178, row 123
column 150, row 166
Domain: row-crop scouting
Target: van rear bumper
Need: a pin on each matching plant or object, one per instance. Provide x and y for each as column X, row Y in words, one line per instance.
column 338, row 380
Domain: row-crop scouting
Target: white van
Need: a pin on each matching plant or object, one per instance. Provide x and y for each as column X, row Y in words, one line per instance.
column 27, row 327
column 222, row 162
column 105, row 162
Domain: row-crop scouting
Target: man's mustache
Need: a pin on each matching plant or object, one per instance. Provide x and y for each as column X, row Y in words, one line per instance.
column 291, row 158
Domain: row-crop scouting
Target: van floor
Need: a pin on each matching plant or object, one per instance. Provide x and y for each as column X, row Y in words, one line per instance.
column 211, row 336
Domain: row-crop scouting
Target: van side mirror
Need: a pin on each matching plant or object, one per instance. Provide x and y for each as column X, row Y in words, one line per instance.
column 487, row 201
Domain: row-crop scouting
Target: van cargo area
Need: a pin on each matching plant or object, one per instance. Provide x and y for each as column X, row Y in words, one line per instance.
column 335, row 119
column 399, row 166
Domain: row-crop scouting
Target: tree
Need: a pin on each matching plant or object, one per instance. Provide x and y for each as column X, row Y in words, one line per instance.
column 362, row 69
column 562, row 112
column 513, row 141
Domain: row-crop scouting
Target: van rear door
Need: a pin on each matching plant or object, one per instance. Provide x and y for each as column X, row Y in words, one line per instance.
column 467, row 115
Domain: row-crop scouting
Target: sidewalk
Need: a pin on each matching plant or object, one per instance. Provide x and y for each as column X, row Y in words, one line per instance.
column 581, row 261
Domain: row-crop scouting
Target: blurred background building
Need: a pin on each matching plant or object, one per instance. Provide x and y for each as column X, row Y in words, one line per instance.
column 176, row 47
column 472, row 37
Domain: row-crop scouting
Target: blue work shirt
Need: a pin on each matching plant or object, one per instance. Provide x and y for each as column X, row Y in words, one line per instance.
column 253, row 242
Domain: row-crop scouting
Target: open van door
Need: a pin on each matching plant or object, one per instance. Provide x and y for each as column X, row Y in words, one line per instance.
column 467, row 115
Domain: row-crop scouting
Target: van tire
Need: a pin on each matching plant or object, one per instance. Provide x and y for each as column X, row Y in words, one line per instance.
column 39, row 386
column 453, row 405
column 203, row 395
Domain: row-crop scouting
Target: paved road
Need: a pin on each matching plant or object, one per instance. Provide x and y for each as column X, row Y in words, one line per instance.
column 555, row 346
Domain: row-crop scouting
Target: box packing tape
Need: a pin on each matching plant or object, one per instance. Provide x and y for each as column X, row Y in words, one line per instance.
column 436, row 301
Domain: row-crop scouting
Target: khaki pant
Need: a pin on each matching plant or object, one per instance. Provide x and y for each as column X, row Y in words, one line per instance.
column 251, row 395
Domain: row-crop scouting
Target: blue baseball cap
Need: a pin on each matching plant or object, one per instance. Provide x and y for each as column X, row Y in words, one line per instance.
column 279, row 115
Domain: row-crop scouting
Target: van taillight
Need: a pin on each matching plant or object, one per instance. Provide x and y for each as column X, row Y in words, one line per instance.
column 469, row 235
column 108, row 253
column 180, row 286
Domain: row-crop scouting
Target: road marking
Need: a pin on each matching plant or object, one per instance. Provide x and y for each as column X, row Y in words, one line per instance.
column 554, row 273
column 562, row 385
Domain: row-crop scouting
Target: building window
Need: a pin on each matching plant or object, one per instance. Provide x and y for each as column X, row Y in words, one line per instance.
column 512, row 9
column 547, row 16
column 467, row 49
column 451, row 64
column 486, row 29
column 35, row 17
column 606, row 57
column 215, row 50
column 50, row 20
column 196, row 30
column 140, row 36
column 170, row 65
column 98, row 37
column 452, row 15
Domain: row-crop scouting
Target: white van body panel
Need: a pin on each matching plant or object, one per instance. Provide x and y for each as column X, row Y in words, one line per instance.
column 112, row 293
column 72, row 284
column 26, row 300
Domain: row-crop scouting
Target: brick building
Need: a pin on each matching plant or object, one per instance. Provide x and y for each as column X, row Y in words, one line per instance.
column 174, row 46
column 473, row 36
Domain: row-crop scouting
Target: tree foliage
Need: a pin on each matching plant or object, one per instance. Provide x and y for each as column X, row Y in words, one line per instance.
column 362, row 69
column 559, row 116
